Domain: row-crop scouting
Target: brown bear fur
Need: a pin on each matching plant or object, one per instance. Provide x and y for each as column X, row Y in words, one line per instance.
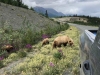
column 70, row 42
column 45, row 41
column 60, row 40
column 8, row 48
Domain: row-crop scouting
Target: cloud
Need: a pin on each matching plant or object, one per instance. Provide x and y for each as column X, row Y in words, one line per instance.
column 83, row 7
column 30, row 3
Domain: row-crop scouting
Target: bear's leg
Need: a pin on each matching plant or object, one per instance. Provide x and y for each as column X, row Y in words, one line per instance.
column 65, row 44
column 59, row 45
column 48, row 42
column 43, row 43
column 54, row 45
column 71, row 44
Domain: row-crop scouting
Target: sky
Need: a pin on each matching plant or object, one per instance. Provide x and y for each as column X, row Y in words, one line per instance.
column 80, row 7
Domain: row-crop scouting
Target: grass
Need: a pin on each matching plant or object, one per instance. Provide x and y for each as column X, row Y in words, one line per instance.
column 50, row 62
column 26, row 34
column 39, row 60
column 86, row 23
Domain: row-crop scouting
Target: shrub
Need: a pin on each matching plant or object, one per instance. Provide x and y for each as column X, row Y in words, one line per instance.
column 13, row 56
column 3, row 53
column 22, row 54
column 28, row 46
column 1, row 64
column 45, row 36
column 58, row 55
column 27, row 34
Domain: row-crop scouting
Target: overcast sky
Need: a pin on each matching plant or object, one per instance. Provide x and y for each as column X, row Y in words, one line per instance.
column 81, row 7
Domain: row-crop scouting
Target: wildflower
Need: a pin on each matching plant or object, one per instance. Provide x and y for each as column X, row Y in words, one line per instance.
column 60, row 51
column 51, row 64
column 45, row 36
column 28, row 46
column 1, row 58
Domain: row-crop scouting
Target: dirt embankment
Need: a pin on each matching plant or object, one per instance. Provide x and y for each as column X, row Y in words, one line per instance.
column 16, row 16
column 70, row 19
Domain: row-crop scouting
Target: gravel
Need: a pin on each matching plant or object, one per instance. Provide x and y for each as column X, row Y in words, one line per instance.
column 82, row 28
column 18, row 17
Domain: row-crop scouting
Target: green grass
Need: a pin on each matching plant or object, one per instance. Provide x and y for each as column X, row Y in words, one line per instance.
column 39, row 64
column 27, row 34
column 21, row 37
column 86, row 23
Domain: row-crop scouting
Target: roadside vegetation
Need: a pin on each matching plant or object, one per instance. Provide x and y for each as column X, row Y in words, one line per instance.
column 44, row 60
column 24, row 37
column 28, row 56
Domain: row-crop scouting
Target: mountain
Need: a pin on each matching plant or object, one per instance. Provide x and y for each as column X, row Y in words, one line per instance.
column 51, row 12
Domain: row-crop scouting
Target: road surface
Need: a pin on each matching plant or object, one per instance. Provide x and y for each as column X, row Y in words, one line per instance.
column 83, row 27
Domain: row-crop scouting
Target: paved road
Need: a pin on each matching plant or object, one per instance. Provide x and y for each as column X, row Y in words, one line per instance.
column 83, row 27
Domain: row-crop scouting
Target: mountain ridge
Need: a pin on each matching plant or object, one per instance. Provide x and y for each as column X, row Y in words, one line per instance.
column 51, row 12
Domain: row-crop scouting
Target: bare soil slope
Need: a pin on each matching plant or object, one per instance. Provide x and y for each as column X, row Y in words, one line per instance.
column 16, row 16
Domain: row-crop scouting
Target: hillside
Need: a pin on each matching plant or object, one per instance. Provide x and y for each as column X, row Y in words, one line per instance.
column 83, row 20
column 17, row 17
column 70, row 19
column 28, row 56
column 19, row 26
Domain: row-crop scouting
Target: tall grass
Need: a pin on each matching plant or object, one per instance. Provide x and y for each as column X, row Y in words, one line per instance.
column 26, row 34
column 46, row 61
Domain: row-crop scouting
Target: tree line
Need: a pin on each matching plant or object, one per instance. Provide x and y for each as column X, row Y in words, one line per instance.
column 95, row 21
column 91, row 20
column 15, row 3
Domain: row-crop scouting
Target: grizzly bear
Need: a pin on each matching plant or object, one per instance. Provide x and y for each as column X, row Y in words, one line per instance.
column 45, row 41
column 70, row 42
column 60, row 40
column 8, row 48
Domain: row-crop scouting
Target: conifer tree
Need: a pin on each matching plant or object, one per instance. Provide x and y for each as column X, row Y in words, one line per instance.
column 46, row 14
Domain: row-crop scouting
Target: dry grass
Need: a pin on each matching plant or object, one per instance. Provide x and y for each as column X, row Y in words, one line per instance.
column 39, row 64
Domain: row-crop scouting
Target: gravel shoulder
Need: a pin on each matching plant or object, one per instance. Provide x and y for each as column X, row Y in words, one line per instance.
column 82, row 28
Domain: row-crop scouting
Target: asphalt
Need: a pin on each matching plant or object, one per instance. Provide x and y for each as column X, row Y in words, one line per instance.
column 82, row 28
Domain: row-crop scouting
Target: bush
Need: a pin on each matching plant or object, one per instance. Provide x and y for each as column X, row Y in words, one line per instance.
column 1, row 64
column 28, row 47
column 22, row 54
column 3, row 53
column 13, row 56
column 58, row 55
column 55, row 29
column 27, row 34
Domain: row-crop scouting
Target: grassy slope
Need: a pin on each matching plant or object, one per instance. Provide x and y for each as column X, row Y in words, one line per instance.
column 38, row 60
